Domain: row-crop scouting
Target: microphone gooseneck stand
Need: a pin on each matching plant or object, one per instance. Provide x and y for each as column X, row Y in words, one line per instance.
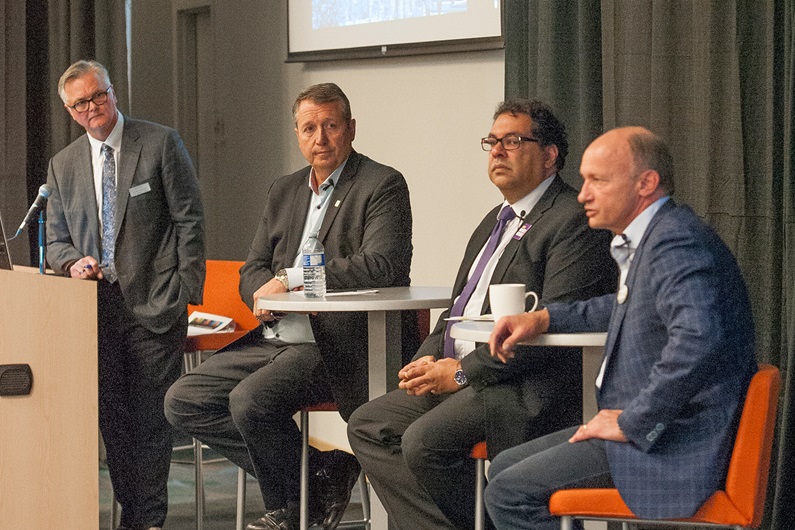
column 41, row 241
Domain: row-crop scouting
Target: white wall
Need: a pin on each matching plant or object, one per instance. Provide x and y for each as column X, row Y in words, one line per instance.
column 425, row 116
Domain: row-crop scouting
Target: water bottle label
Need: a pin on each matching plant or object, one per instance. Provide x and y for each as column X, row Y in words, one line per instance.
column 314, row 260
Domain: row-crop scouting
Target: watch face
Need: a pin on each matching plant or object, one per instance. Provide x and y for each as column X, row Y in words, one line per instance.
column 460, row 377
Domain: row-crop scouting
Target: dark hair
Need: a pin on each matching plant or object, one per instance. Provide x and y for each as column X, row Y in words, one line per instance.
column 651, row 152
column 324, row 93
column 546, row 127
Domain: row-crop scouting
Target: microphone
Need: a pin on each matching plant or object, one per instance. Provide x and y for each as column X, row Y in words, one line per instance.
column 41, row 200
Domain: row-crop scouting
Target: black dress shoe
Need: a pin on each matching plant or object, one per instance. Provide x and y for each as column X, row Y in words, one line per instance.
column 336, row 480
column 280, row 519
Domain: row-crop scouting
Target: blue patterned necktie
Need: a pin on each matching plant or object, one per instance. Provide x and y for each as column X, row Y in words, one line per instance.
column 108, row 213
column 506, row 215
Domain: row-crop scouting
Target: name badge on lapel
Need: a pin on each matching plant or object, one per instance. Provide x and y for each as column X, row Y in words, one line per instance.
column 140, row 189
column 522, row 231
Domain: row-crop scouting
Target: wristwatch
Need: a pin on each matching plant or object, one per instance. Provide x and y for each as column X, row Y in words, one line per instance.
column 460, row 377
column 281, row 275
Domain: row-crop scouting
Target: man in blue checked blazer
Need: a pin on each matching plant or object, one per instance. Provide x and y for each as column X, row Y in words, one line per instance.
column 678, row 359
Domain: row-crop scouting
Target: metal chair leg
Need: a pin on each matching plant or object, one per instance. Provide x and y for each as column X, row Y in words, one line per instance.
column 241, row 499
column 199, row 478
column 480, row 485
column 304, row 484
column 365, row 493
column 115, row 510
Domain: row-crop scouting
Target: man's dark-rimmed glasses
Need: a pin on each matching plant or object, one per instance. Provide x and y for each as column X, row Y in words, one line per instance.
column 509, row 142
column 98, row 99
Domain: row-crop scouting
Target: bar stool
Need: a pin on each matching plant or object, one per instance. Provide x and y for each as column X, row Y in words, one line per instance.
column 480, row 454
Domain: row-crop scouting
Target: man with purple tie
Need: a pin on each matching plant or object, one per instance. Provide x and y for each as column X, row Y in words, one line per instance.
column 414, row 442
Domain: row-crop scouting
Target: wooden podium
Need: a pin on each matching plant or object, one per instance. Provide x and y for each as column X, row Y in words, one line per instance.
column 49, row 439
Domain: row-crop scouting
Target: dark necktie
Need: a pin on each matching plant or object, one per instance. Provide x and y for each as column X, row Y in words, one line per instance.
column 506, row 215
column 108, row 213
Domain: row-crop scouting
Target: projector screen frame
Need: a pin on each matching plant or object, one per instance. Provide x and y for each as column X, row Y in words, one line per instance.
column 399, row 49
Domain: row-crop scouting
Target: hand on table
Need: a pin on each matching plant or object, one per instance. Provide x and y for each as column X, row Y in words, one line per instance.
column 510, row 331
column 273, row 286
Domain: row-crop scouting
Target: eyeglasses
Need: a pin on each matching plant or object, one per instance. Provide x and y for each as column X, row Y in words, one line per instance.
column 98, row 99
column 509, row 142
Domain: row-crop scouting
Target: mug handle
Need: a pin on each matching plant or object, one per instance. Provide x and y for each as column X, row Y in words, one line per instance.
column 535, row 300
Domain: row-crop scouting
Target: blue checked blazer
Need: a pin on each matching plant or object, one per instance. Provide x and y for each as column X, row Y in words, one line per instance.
column 680, row 355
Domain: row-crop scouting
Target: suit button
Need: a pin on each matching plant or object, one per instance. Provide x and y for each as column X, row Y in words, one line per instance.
column 659, row 427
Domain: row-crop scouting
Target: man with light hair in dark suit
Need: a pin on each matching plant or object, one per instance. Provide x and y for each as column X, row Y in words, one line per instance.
column 126, row 212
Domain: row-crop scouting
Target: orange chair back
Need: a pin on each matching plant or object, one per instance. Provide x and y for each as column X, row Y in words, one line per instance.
column 746, row 480
column 221, row 296
column 742, row 501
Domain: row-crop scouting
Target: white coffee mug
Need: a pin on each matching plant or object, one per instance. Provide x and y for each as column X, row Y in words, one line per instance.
column 509, row 299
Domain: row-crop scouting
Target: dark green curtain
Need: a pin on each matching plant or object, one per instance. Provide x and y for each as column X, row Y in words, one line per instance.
column 58, row 33
column 715, row 79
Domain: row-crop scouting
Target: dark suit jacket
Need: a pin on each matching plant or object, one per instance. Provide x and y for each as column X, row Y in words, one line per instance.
column 680, row 355
column 367, row 238
column 159, row 251
column 559, row 258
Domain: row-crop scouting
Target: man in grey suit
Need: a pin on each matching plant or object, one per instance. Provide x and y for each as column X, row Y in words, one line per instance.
column 414, row 442
column 678, row 359
column 139, row 233
column 241, row 400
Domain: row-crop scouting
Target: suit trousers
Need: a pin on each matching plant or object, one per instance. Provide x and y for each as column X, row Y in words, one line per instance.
column 415, row 451
column 136, row 367
column 522, row 478
column 241, row 402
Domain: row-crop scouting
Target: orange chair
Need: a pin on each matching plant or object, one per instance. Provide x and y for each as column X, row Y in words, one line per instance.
column 480, row 454
column 739, row 505
column 221, row 297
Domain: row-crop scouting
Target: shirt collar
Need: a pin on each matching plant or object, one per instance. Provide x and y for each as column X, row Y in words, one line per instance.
column 635, row 230
column 524, row 205
column 332, row 179
column 113, row 139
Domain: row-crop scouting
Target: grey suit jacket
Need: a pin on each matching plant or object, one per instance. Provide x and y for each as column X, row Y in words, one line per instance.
column 159, row 251
column 366, row 233
column 680, row 356
column 559, row 258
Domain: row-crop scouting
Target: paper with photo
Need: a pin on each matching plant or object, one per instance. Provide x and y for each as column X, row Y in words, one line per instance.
column 202, row 323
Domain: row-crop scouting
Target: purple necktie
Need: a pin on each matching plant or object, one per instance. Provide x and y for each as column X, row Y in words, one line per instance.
column 506, row 215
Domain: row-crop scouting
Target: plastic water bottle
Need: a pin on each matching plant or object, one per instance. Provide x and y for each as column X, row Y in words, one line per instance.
column 314, row 263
